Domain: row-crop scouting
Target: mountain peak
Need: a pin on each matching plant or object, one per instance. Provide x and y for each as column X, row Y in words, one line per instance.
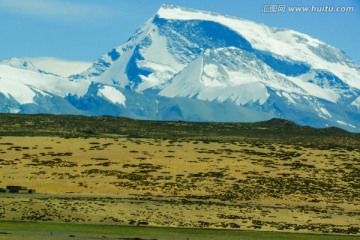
column 175, row 12
column 19, row 63
column 172, row 7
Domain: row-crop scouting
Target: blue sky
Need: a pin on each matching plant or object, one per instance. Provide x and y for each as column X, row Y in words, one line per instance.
column 86, row 29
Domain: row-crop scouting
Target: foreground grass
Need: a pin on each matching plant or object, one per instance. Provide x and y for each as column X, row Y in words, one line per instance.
column 191, row 184
column 28, row 230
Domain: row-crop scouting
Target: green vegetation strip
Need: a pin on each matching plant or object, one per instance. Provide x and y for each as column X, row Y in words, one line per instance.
column 274, row 131
column 12, row 229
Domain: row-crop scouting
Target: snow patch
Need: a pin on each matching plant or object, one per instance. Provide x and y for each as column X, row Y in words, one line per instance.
column 356, row 103
column 324, row 111
column 345, row 124
column 212, row 77
column 112, row 94
column 289, row 98
column 19, row 92
column 14, row 110
column 315, row 90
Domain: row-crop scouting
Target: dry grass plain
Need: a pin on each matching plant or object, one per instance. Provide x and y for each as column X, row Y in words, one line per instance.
column 234, row 185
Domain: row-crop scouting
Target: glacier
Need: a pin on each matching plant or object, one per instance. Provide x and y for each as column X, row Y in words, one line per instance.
column 192, row 65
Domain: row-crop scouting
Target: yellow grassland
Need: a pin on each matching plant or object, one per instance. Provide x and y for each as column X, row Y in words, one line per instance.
column 138, row 181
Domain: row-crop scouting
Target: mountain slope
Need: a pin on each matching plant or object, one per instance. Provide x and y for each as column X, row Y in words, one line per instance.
column 185, row 64
column 26, row 89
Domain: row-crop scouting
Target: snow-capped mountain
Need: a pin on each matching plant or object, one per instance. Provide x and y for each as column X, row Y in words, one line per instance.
column 26, row 89
column 186, row 64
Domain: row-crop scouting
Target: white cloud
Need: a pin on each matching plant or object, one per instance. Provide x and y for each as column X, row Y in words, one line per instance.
column 58, row 66
column 56, row 9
